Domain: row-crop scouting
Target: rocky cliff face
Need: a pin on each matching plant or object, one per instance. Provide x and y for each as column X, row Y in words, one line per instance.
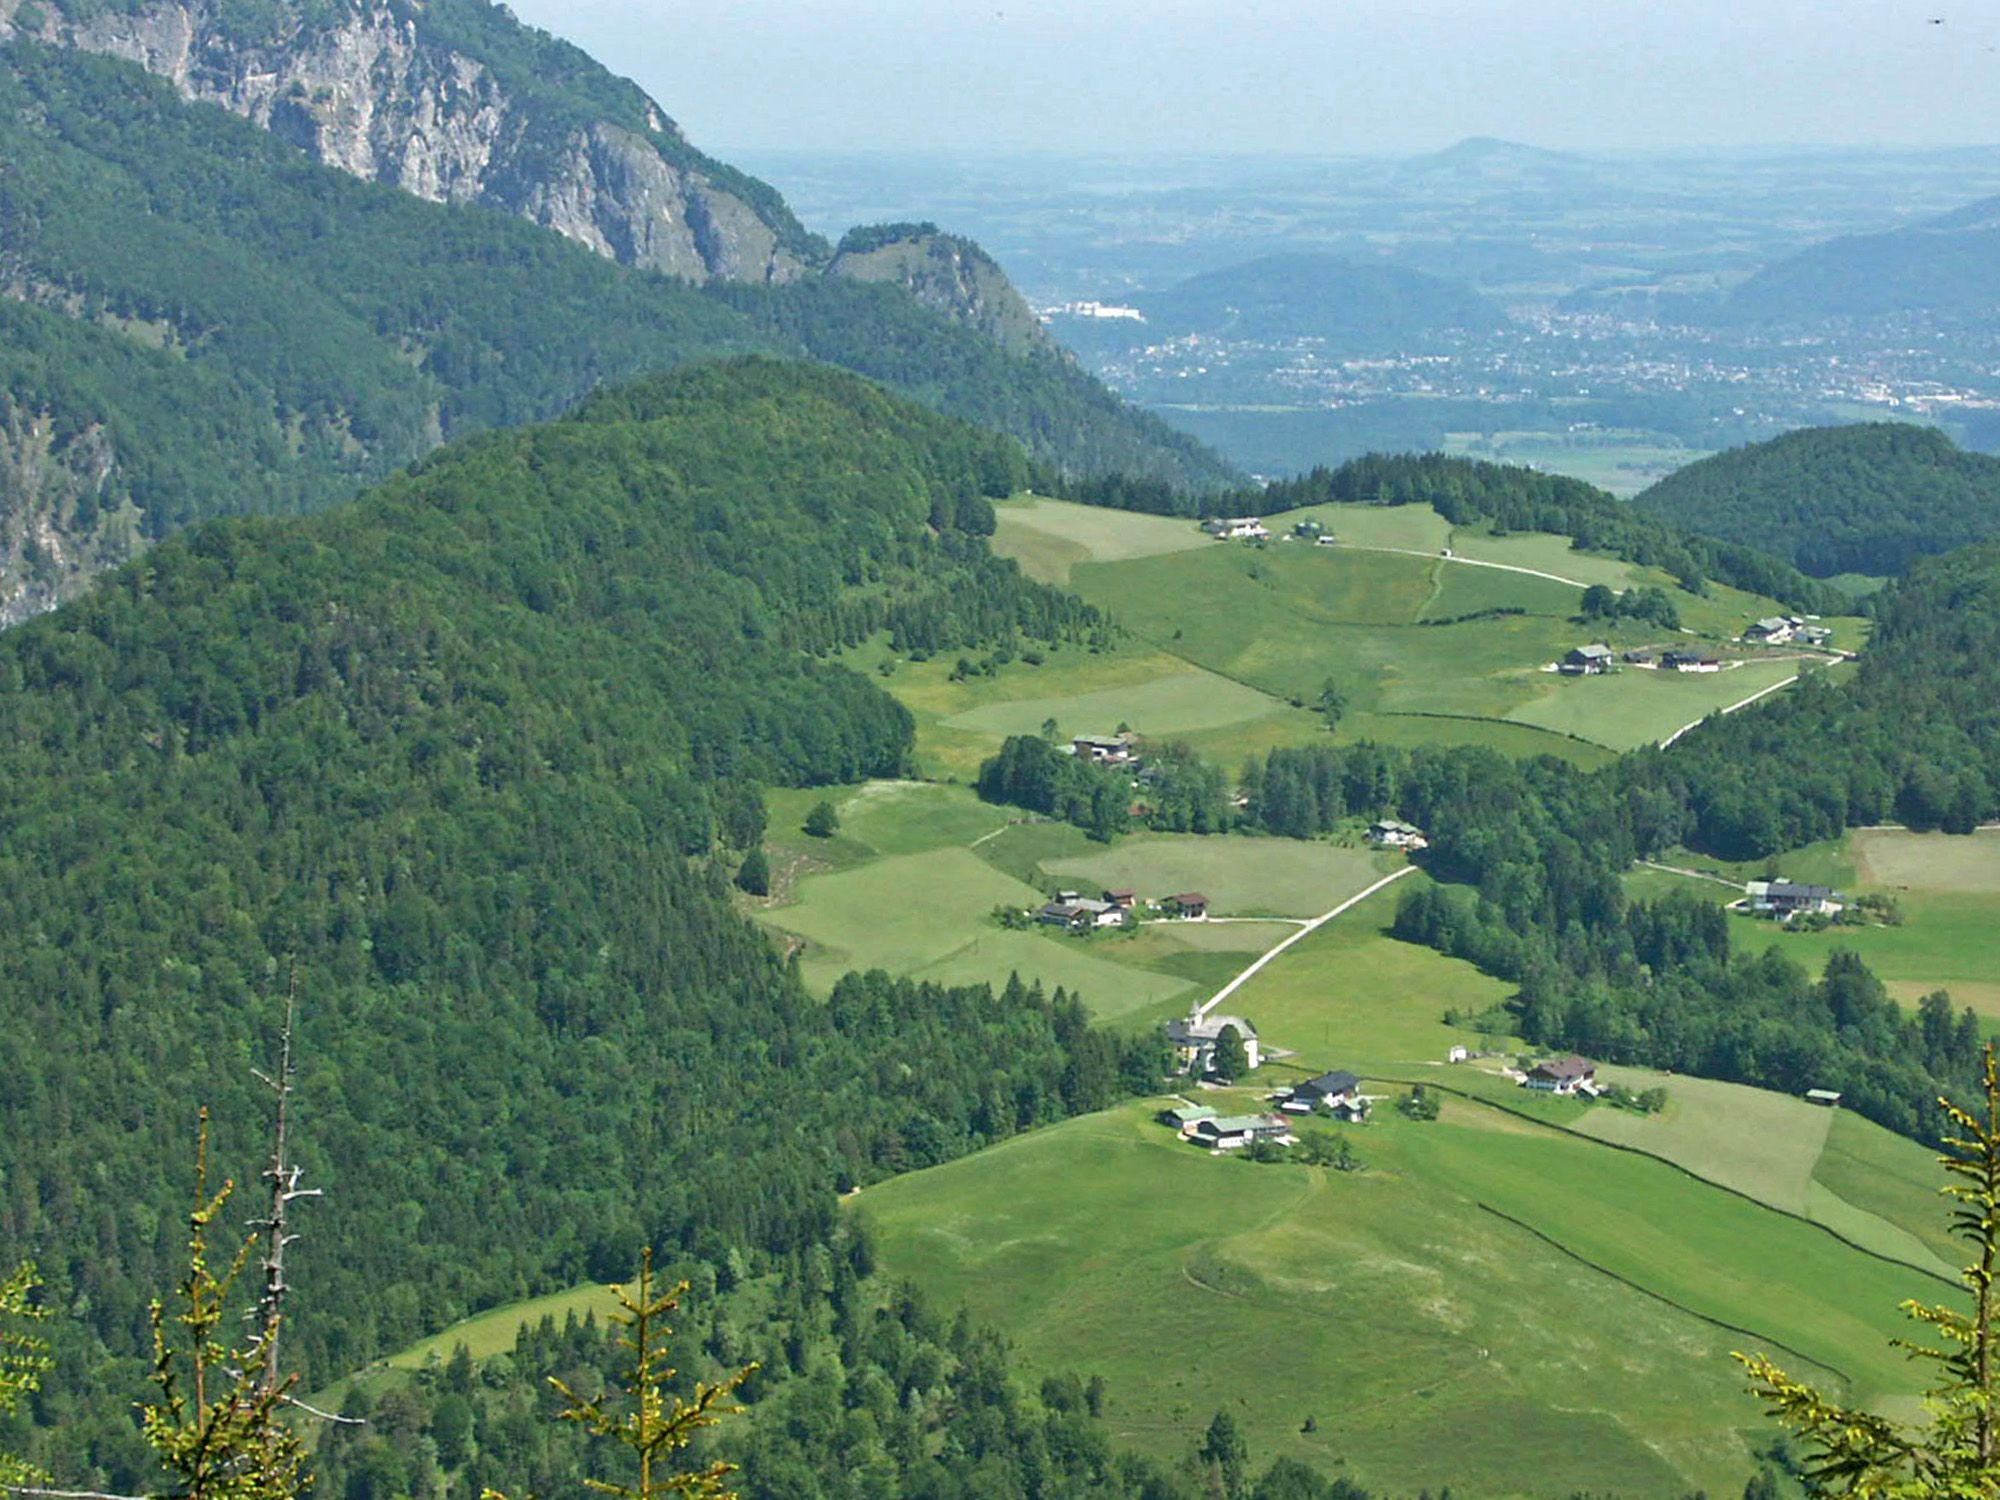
column 59, row 524
column 947, row 274
column 370, row 87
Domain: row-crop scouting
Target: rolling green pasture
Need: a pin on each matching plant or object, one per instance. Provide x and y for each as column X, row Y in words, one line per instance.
column 1634, row 707
column 1160, row 694
column 910, row 882
column 928, row 916
column 1049, row 537
column 1241, row 876
column 1467, row 590
column 1414, row 1325
column 1415, row 527
column 1168, row 706
column 1948, row 886
column 1223, row 645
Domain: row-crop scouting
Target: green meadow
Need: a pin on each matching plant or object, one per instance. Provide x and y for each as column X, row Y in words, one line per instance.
column 1483, row 1293
column 1633, row 706
column 1225, row 643
column 910, row 881
column 1242, row 876
column 1524, row 1266
column 1947, row 885
column 1048, row 537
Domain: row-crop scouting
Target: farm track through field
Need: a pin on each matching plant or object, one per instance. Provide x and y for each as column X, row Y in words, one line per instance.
column 1653, row 864
column 1305, row 930
column 1740, row 703
column 1470, row 562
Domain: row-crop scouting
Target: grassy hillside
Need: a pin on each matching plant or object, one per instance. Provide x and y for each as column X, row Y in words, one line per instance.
column 1497, row 1274
column 1862, row 499
column 910, row 883
column 1225, row 640
column 1947, row 893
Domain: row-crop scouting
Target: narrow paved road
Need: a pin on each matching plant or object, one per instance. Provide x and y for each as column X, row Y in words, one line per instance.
column 1305, row 930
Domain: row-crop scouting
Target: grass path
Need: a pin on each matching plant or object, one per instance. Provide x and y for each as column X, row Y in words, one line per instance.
column 1740, row 703
column 1306, row 930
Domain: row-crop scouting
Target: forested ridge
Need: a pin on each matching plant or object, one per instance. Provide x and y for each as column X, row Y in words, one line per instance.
column 1506, row 497
column 255, row 332
column 477, row 753
column 1861, row 499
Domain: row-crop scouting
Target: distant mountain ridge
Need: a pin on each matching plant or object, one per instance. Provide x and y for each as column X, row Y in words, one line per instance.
column 1948, row 266
column 1867, row 498
column 1352, row 304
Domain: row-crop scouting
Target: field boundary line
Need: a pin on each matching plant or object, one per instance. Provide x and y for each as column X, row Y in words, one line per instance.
column 1667, row 743
column 1645, row 1291
column 1304, row 931
column 1688, row 1172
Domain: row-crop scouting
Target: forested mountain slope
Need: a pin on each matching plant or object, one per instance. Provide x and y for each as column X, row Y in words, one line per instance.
column 1948, row 267
column 205, row 321
column 476, row 753
column 457, row 102
column 1860, row 499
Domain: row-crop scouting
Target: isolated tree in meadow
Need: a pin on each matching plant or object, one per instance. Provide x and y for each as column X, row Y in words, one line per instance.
column 1231, row 1058
column 1332, row 703
column 822, row 822
column 1049, row 730
column 1599, row 601
column 1955, row 1453
column 754, row 874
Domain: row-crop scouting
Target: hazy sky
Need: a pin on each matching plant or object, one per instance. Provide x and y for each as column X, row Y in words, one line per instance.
column 1287, row 75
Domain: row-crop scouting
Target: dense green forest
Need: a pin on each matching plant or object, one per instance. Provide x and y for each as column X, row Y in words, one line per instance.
column 1860, row 499
column 478, row 753
column 1506, row 497
column 256, row 332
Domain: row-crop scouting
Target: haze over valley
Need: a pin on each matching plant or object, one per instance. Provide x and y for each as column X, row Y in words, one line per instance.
column 1050, row 755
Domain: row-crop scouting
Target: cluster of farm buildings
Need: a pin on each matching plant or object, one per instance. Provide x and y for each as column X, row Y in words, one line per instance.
column 1080, row 913
column 1253, row 529
column 1595, row 660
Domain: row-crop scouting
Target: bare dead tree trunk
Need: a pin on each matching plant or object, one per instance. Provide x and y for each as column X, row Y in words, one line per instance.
column 283, row 1175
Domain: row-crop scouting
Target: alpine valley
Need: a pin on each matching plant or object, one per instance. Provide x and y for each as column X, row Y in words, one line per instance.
column 563, row 733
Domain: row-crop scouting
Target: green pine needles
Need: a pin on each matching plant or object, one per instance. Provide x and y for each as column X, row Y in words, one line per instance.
column 24, row 1358
column 1955, row 1455
column 216, row 1425
column 654, row 1426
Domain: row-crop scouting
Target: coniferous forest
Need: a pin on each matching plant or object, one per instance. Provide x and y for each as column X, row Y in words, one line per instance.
column 477, row 755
